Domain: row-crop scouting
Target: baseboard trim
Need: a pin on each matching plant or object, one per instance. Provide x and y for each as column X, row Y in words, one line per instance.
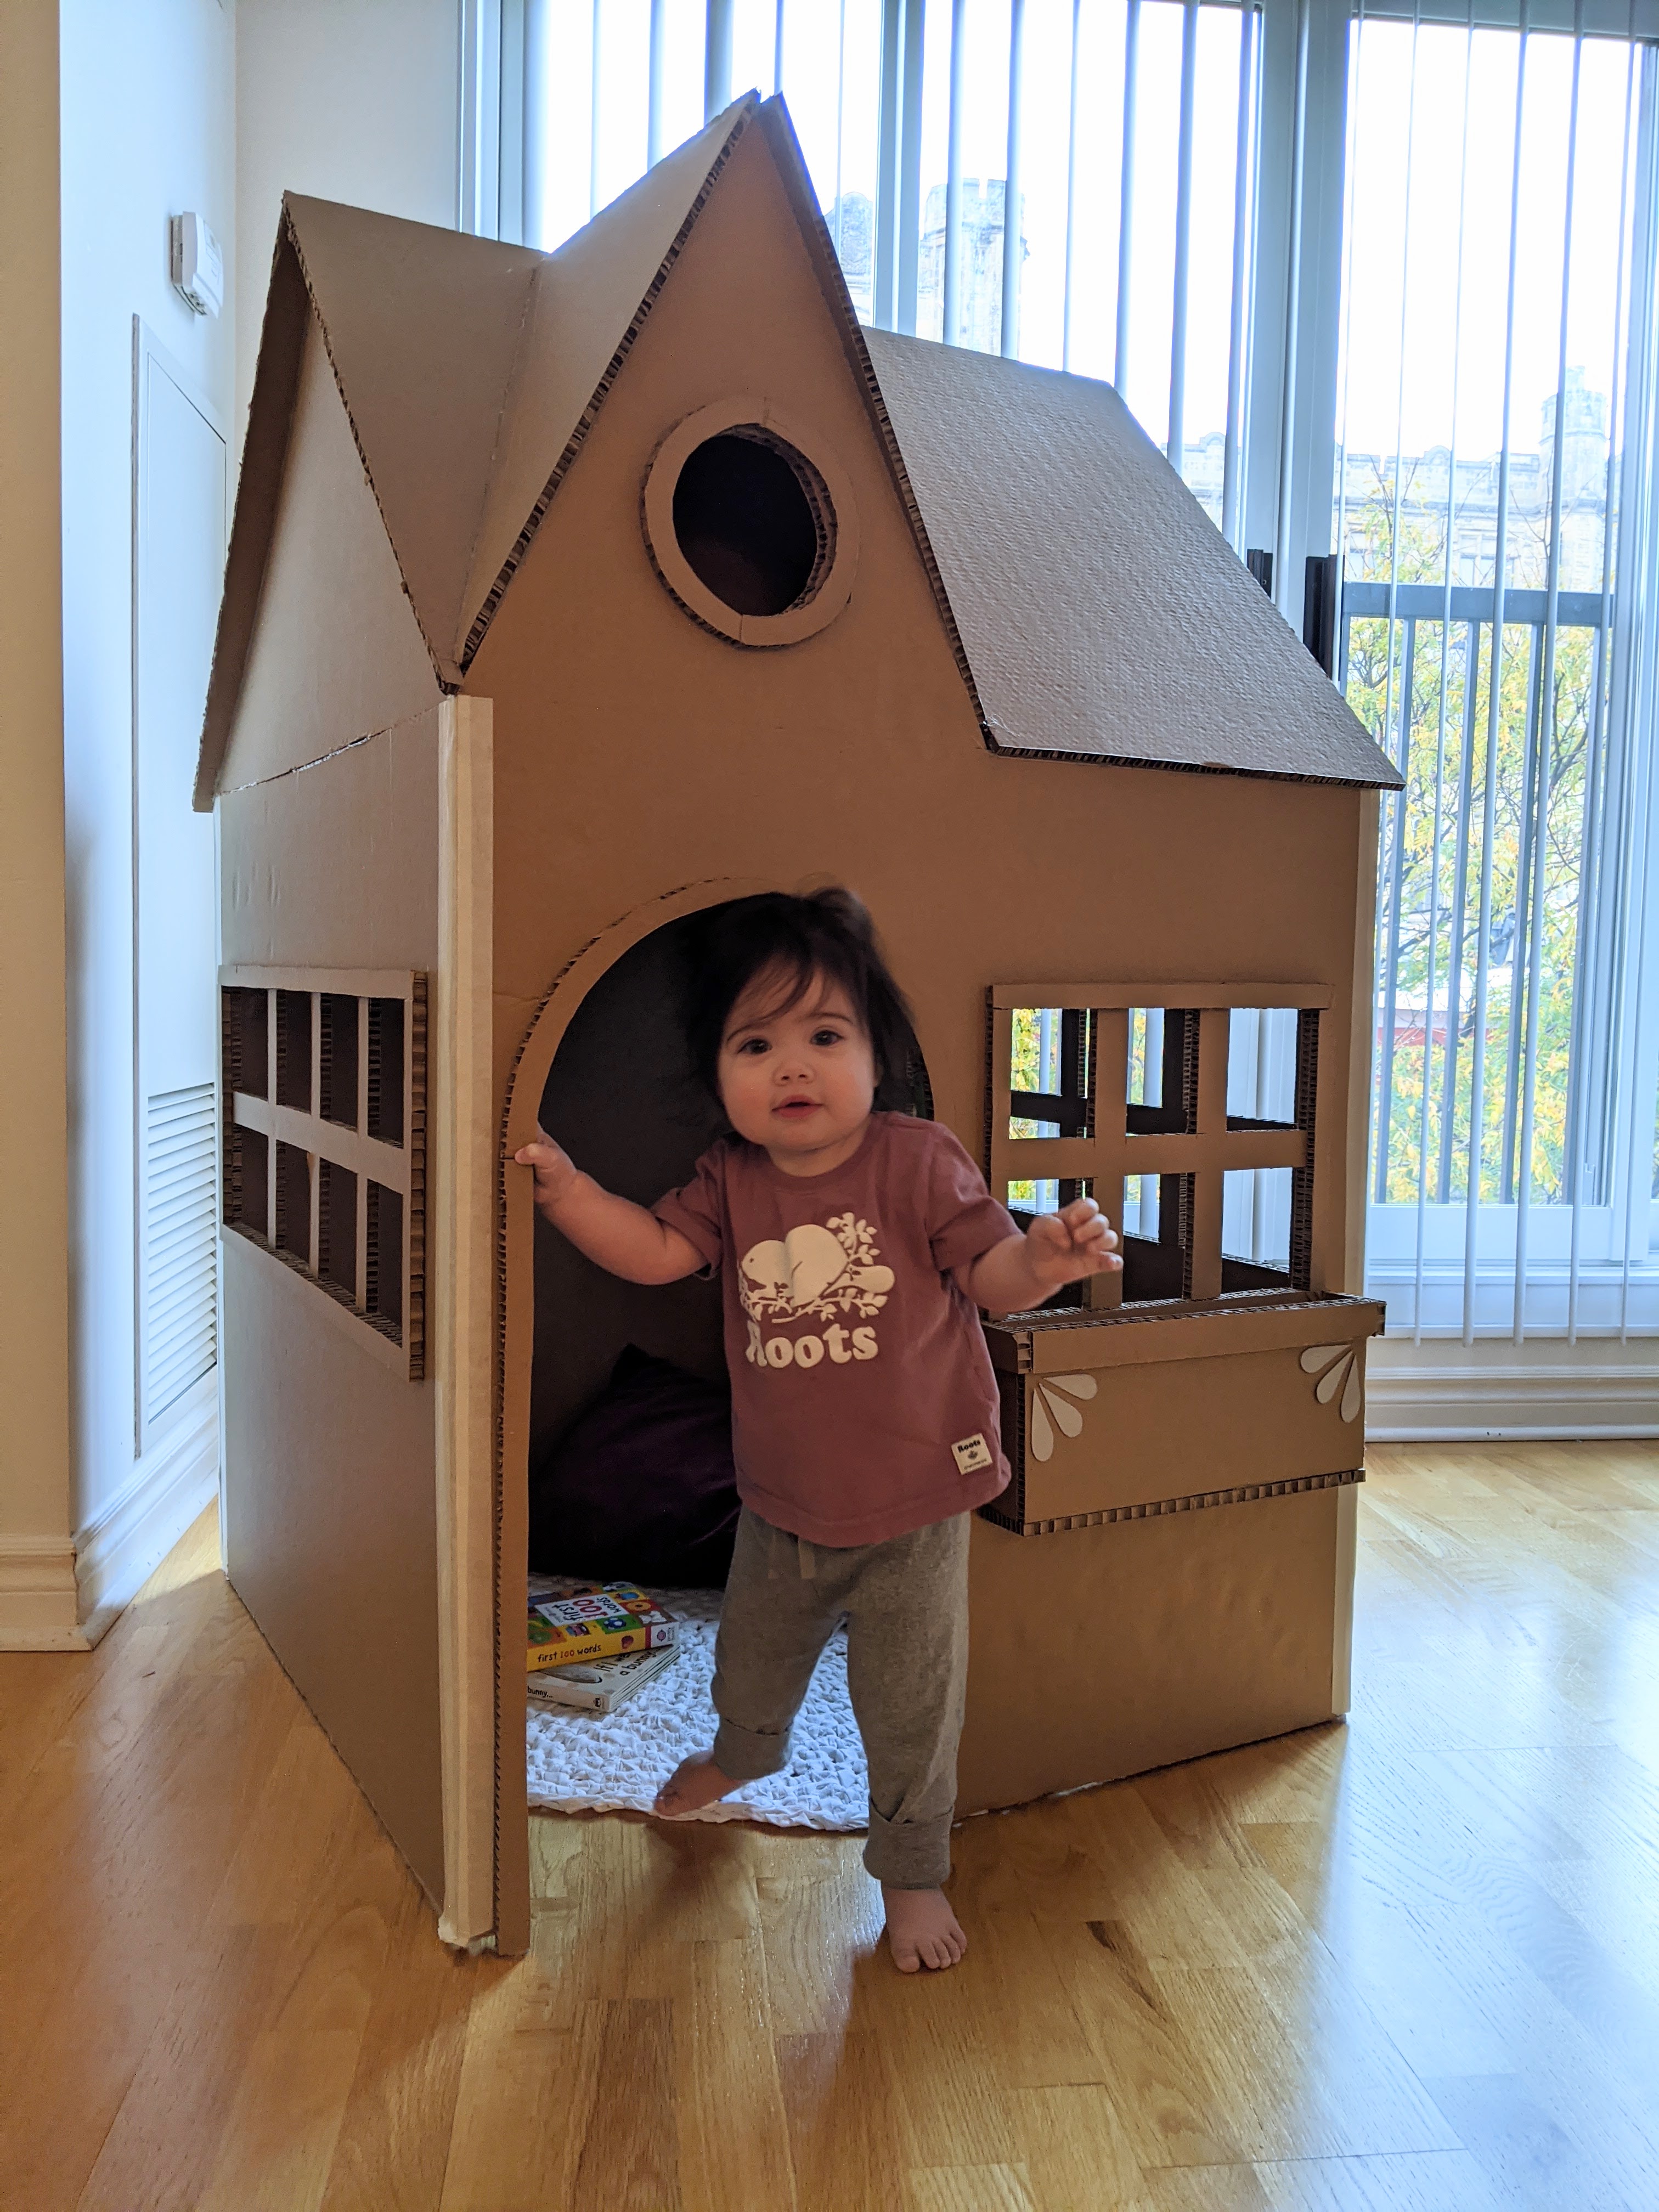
column 121, row 1547
column 40, row 1608
column 1493, row 1403
column 1515, row 1432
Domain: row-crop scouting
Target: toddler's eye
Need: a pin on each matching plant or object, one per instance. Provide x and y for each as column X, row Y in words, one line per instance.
column 826, row 1036
column 752, row 1045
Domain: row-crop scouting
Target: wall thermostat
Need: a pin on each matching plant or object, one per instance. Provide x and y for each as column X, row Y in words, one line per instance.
column 199, row 266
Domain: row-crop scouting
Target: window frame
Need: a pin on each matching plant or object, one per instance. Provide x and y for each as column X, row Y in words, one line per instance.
column 400, row 1167
column 1200, row 1155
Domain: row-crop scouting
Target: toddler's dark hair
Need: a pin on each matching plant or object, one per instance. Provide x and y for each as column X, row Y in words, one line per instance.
column 828, row 933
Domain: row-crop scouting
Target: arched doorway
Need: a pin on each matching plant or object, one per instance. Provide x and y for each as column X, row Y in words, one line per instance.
column 604, row 1068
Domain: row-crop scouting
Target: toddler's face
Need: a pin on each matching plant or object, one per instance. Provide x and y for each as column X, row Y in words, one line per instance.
column 800, row 1080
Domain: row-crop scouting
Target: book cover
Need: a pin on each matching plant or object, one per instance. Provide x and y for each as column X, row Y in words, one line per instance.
column 618, row 1679
column 599, row 1624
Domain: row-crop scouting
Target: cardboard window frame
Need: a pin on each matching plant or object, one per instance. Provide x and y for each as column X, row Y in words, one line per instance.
column 1189, row 1158
column 390, row 1326
column 834, row 586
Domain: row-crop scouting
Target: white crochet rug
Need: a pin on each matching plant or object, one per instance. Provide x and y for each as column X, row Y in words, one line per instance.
column 610, row 1762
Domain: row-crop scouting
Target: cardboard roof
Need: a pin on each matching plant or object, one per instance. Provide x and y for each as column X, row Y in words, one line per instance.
column 1100, row 610
column 1095, row 611
column 470, row 371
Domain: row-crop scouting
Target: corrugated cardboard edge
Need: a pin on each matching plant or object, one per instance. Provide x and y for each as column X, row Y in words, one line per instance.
column 773, row 120
column 271, row 418
column 443, row 669
column 741, row 113
column 1002, row 739
column 475, row 1765
column 1198, row 1501
column 289, row 306
column 796, row 182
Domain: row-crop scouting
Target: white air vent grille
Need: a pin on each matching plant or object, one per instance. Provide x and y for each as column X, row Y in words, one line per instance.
column 180, row 1319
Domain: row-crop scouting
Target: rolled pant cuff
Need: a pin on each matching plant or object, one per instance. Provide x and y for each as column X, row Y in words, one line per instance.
column 907, row 1854
column 745, row 1754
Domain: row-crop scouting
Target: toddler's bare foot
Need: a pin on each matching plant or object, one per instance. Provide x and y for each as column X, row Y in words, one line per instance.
column 693, row 1783
column 921, row 1930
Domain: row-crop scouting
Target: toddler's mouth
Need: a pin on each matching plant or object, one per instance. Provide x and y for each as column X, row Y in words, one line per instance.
column 796, row 1109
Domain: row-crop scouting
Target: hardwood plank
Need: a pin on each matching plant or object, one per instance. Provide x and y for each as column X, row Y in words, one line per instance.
column 1170, row 2108
column 117, row 1841
column 970, row 2189
column 1206, row 2188
column 1527, row 2157
column 733, row 2135
column 522, row 2094
column 393, row 2146
column 818, row 1911
column 238, row 2095
column 1052, row 2048
column 1435, row 2181
column 844, row 2137
column 626, row 2153
column 1078, row 2149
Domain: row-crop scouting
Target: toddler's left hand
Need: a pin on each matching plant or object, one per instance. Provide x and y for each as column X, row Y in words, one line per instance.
column 1078, row 1240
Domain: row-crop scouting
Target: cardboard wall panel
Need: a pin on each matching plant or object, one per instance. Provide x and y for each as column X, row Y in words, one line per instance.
column 329, row 1512
column 331, row 1464
column 313, row 685
column 1107, row 1651
column 336, row 868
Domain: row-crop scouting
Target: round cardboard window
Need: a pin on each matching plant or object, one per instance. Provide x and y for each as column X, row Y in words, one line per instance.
column 750, row 526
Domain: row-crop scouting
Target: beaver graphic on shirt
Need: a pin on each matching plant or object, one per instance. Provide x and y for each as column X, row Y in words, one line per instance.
column 863, row 1402
column 825, row 1273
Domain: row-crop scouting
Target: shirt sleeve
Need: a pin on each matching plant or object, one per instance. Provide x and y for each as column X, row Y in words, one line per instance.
column 964, row 1220
column 697, row 1210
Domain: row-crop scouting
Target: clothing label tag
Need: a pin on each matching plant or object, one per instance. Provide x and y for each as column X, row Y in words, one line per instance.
column 972, row 1454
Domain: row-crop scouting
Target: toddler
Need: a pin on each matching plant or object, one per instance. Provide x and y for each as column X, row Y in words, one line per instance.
column 853, row 1247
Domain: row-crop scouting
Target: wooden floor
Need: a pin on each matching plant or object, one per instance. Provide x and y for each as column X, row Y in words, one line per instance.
column 1409, row 1963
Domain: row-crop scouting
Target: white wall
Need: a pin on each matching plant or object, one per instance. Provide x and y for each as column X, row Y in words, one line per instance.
column 165, row 105
column 345, row 100
column 37, row 1573
column 149, row 131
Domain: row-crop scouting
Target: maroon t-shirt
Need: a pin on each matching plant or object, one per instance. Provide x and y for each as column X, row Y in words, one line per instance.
column 863, row 1402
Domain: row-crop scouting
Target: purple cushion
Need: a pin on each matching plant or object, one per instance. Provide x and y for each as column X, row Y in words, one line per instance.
column 641, row 1486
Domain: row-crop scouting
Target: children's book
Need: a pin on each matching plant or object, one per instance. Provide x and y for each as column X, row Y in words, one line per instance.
column 599, row 1624
column 604, row 1685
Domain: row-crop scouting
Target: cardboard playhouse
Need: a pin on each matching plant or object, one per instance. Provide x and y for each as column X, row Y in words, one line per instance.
column 570, row 594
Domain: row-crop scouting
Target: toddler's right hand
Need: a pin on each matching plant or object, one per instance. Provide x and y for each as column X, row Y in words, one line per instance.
column 555, row 1169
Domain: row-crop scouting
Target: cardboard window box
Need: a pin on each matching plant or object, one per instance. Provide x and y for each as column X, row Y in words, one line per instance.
column 1098, row 1427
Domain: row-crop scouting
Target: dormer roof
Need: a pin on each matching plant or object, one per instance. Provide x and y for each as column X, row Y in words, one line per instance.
column 1102, row 614
column 1094, row 609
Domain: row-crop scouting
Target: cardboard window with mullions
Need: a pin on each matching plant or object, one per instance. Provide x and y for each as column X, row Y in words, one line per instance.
column 325, row 1169
column 1119, row 1094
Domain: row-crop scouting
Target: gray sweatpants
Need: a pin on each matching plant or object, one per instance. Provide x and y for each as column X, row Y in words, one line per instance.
column 906, row 1606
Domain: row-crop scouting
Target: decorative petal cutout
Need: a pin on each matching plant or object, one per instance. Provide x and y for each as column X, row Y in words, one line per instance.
column 1043, row 1436
column 1354, row 1395
column 1065, row 1413
column 1331, row 1382
column 1077, row 1386
column 1321, row 1355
